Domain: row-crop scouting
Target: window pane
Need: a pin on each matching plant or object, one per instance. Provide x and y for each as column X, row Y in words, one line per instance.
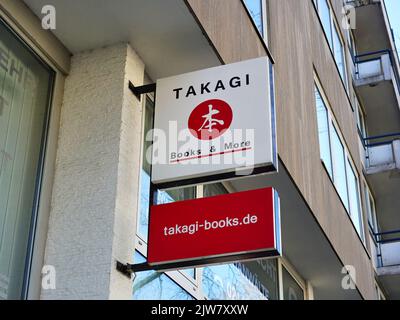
column 255, row 280
column 352, row 45
column 361, row 123
column 148, row 125
column 339, row 54
column 368, row 205
column 255, row 9
column 339, row 168
column 291, row 289
column 152, row 285
column 374, row 223
column 354, row 199
column 176, row 195
column 24, row 98
column 214, row 189
column 323, row 132
column 143, row 220
column 325, row 15
column 145, row 182
column 162, row 196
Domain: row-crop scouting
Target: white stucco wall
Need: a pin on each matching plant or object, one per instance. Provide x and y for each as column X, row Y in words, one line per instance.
column 95, row 194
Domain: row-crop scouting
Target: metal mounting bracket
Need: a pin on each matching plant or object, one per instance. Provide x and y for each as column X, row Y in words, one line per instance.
column 138, row 91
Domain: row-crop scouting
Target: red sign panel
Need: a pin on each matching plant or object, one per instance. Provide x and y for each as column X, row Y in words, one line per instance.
column 230, row 227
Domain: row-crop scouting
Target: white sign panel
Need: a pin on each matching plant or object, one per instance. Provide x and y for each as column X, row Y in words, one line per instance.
column 214, row 123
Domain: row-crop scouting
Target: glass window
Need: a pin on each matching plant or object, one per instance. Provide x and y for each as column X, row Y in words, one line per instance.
column 325, row 15
column 361, row 122
column 323, row 131
column 333, row 35
column 339, row 167
column 214, row 189
column 370, row 204
column 337, row 160
column 354, row 200
column 291, row 289
column 255, row 280
column 25, row 85
column 143, row 221
column 352, row 44
column 176, row 195
column 338, row 53
column 152, row 285
column 161, row 196
column 256, row 12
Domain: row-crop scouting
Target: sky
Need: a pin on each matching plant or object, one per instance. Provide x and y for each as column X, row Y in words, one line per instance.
column 393, row 8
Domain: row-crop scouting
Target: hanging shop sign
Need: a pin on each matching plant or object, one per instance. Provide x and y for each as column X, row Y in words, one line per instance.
column 224, row 228
column 214, row 123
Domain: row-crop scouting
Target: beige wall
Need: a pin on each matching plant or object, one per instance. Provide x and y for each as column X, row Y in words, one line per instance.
column 298, row 46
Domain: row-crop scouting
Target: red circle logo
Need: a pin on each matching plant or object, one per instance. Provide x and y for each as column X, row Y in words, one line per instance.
column 210, row 119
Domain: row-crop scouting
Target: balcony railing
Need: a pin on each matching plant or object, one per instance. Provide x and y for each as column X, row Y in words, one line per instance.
column 360, row 3
column 389, row 248
column 382, row 153
column 373, row 67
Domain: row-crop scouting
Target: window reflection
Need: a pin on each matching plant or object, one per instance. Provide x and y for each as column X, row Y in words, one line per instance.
column 354, row 199
column 143, row 221
column 291, row 289
column 145, row 183
column 161, row 196
column 152, row 285
column 325, row 15
column 255, row 280
column 323, row 132
column 332, row 33
column 339, row 53
column 25, row 94
column 337, row 161
column 255, row 9
column 339, row 166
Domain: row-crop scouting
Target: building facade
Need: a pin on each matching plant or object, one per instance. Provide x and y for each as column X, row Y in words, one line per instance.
column 74, row 169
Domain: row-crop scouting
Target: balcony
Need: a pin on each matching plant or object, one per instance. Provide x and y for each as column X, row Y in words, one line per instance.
column 374, row 67
column 382, row 171
column 377, row 82
column 388, row 267
column 360, row 3
column 372, row 27
column 376, row 71
column 382, row 153
column 389, row 249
